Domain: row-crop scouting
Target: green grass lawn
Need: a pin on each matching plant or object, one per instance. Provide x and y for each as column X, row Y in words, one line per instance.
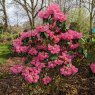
column 5, row 52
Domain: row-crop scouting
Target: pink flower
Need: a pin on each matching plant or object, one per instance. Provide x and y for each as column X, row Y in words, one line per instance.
column 42, row 55
column 32, row 51
column 70, row 35
column 32, row 79
column 29, row 78
column 74, row 46
column 66, row 71
column 34, row 33
column 56, row 39
column 92, row 66
column 74, row 69
column 17, row 42
column 66, row 57
column 66, row 36
column 25, row 35
column 54, row 49
column 50, row 11
column 36, row 62
column 53, row 8
column 21, row 49
column 60, row 17
column 58, row 62
column 42, row 28
column 51, row 64
column 24, row 59
column 42, row 47
column 46, row 80
column 43, row 14
column 16, row 69
column 50, row 33
column 31, row 75
column 30, row 33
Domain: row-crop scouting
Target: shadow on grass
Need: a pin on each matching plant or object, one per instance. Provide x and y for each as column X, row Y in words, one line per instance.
column 4, row 57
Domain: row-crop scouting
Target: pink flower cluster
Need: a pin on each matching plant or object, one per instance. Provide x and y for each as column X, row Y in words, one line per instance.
column 54, row 49
column 74, row 46
column 31, row 75
column 42, row 47
column 53, row 10
column 42, row 55
column 36, row 62
column 46, row 48
column 46, row 80
column 66, row 57
column 16, row 69
column 32, row 51
column 28, row 34
column 53, row 64
column 21, row 49
column 68, row 70
column 70, row 35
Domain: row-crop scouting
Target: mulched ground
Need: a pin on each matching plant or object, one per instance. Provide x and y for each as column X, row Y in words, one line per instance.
column 83, row 83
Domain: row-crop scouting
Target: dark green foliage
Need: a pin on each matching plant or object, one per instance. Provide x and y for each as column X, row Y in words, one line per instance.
column 54, row 57
column 74, row 26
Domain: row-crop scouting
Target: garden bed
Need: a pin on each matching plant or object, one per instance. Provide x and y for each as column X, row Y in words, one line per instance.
column 51, row 60
column 82, row 83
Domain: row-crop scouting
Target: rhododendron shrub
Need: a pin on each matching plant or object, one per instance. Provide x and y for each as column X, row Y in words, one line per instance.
column 49, row 49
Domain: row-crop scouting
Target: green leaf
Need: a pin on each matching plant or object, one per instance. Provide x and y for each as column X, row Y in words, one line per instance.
column 80, row 50
column 89, row 56
column 54, row 57
column 28, row 59
column 43, row 35
column 85, row 53
column 70, row 52
column 25, row 41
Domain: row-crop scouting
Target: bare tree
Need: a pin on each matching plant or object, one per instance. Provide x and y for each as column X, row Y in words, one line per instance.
column 90, row 6
column 4, row 16
column 17, row 18
column 65, row 5
column 31, row 7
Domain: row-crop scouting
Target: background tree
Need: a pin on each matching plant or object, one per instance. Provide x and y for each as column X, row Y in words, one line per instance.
column 4, row 16
column 90, row 6
column 31, row 7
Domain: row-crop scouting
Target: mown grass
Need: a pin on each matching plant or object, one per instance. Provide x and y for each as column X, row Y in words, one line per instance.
column 5, row 52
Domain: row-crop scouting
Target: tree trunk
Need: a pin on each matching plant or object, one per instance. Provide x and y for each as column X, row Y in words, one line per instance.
column 33, row 11
column 91, row 17
column 91, row 21
column 5, row 18
column 48, row 2
column 30, row 9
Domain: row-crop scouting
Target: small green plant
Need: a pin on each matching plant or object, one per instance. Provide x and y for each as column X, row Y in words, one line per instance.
column 5, row 52
column 88, row 47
